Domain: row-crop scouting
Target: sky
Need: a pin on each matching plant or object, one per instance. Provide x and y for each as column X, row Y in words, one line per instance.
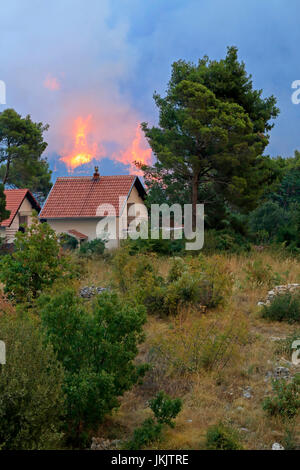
column 89, row 68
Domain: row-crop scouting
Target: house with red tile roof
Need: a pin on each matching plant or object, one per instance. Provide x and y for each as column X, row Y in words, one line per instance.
column 20, row 203
column 77, row 205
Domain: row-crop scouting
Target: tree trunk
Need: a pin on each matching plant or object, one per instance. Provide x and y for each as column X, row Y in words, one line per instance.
column 195, row 185
column 7, row 171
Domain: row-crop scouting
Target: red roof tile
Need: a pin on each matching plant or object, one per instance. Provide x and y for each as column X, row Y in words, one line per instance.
column 14, row 199
column 80, row 196
column 77, row 234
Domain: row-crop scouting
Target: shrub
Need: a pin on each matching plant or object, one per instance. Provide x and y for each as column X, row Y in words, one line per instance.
column 165, row 410
column 258, row 274
column 96, row 349
column 284, row 346
column 31, row 397
column 214, row 278
column 68, row 242
column 148, row 432
column 128, row 270
column 284, row 307
column 285, row 401
column 206, row 344
column 163, row 247
column 176, row 270
column 189, row 283
column 289, row 440
column 222, row 437
column 93, row 247
column 224, row 240
column 268, row 218
column 35, row 264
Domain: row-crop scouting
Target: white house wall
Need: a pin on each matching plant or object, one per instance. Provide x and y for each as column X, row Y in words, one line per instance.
column 88, row 226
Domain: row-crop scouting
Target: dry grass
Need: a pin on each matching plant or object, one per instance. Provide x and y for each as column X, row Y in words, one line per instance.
column 211, row 396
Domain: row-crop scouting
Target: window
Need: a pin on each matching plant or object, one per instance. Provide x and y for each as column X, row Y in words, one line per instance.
column 23, row 220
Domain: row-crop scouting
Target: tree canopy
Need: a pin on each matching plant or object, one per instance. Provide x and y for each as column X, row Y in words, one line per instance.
column 21, row 147
column 213, row 128
column 4, row 214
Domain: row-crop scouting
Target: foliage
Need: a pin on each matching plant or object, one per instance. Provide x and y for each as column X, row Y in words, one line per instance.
column 4, row 214
column 128, row 270
column 222, row 437
column 165, row 409
column 206, row 344
column 164, row 247
column 21, row 147
column 259, row 274
column 218, row 241
column 285, row 401
column 93, row 247
column 290, row 438
column 212, row 131
column 288, row 191
column 96, row 349
column 284, row 307
column 268, row 217
column 284, row 346
column 148, row 432
column 68, row 242
column 176, row 270
column 31, row 397
column 199, row 283
column 35, row 264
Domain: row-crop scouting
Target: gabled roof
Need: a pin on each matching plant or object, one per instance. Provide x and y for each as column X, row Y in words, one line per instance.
column 14, row 199
column 79, row 197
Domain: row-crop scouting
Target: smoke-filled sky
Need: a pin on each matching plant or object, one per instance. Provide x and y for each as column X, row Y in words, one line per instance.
column 89, row 67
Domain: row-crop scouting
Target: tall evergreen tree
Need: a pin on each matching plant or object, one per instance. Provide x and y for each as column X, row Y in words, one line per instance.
column 21, row 148
column 213, row 129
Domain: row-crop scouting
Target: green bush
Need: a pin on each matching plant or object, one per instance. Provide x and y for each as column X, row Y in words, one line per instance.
column 68, row 242
column 147, row 433
column 35, row 264
column 93, row 247
column 284, row 307
column 176, row 270
column 195, row 281
column 216, row 241
column 268, row 218
column 97, row 350
column 259, row 274
column 222, row 437
column 285, row 401
column 165, row 410
column 163, row 247
column 31, row 396
column 204, row 344
column 130, row 272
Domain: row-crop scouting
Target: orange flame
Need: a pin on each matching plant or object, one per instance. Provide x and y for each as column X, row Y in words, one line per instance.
column 136, row 152
column 83, row 152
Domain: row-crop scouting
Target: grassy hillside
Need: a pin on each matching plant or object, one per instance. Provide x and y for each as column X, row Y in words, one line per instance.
column 229, row 386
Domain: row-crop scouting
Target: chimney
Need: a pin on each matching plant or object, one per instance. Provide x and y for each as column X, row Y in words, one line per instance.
column 96, row 175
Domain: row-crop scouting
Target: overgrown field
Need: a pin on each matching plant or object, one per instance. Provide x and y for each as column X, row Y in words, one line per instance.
column 141, row 350
column 218, row 359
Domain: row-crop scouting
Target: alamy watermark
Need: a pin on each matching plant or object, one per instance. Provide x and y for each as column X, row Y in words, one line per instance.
column 2, row 92
column 2, row 353
column 296, row 353
column 132, row 221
